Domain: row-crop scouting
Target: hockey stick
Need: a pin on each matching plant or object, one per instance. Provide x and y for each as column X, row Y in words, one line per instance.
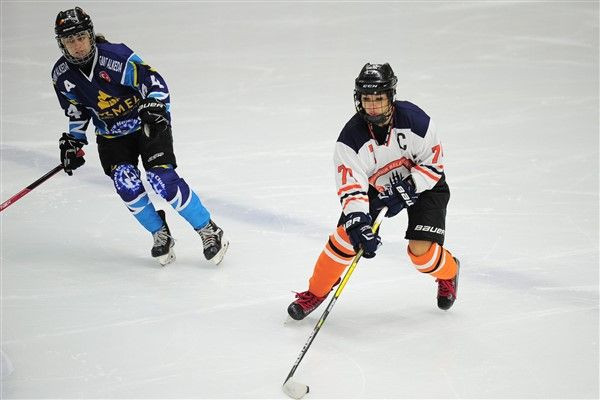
column 29, row 188
column 297, row 390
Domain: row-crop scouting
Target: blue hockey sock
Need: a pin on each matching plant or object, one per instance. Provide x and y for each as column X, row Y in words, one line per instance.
column 128, row 184
column 176, row 191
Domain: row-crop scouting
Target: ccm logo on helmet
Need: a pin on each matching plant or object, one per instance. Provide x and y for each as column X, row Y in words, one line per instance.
column 432, row 229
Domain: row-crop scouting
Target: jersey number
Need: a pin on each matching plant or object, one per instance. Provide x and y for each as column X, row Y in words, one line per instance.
column 155, row 82
column 72, row 111
column 437, row 151
column 345, row 171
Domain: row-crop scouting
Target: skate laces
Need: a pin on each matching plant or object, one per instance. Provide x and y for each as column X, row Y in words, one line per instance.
column 307, row 300
column 446, row 288
column 161, row 237
column 209, row 235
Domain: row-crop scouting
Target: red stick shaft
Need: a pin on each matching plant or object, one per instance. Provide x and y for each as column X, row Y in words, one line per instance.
column 30, row 187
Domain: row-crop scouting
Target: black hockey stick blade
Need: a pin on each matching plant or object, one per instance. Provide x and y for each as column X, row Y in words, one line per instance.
column 295, row 390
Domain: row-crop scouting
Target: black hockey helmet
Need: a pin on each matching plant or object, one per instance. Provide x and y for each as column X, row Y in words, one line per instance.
column 72, row 22
column 374, row 79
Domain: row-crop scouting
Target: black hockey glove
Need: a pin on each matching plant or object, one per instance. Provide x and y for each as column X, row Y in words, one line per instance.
column 358, row 227
column 153, row 114
column 71, row 153
column 398, row 195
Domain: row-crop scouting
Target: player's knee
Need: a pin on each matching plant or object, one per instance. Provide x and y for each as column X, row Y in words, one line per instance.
column 126, row 178
column 166, row 183
column 419, row 247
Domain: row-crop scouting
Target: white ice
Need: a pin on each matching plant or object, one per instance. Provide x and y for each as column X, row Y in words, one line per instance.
column 260, row 91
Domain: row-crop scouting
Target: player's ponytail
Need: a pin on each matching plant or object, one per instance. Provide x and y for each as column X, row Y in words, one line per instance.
column 100, row 38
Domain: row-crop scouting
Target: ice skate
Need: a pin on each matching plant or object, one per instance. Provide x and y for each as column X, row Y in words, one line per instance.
column 215, row 246
column 305, row 303
column 447, row 289
column 162, row 250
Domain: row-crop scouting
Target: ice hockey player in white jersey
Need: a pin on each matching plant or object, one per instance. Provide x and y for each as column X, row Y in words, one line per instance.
column 388, row 154
column 129, row 104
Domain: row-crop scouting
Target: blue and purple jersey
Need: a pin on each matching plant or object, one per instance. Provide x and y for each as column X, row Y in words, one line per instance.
column 110, row 94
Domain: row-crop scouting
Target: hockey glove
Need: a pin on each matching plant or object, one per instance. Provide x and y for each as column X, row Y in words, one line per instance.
column 398, row 195
column 153, row 114
column 358, row 227
column 71, row 153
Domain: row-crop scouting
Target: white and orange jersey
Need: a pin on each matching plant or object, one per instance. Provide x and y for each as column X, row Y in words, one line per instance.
column 411, row 147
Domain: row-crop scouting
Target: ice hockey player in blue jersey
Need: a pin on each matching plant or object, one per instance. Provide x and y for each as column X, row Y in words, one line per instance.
column 128, row 102
column 388, row 154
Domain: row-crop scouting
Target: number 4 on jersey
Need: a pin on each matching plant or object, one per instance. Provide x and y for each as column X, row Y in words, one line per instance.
column 155, row 82
column 73, row 112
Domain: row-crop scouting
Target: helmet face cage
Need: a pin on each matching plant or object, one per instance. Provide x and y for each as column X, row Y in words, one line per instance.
column 69, row 24
column 375, row 79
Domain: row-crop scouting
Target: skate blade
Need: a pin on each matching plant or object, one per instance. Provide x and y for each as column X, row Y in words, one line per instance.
column 219, row 256
column 166, row 258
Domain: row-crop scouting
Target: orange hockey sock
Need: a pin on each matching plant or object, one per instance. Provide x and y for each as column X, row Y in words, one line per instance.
column 335, row 257
column 437, row 261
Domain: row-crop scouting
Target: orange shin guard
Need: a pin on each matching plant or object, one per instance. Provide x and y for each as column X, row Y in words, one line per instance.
column 437, row 261
column 335, row 257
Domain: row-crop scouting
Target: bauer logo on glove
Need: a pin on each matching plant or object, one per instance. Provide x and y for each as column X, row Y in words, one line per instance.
column 154, row 116
column 400, row 193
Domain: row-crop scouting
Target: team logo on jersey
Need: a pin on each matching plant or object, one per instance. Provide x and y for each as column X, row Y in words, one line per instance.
column 397, row 166
column 104, row 75
column 112, row 107
column 105, row 100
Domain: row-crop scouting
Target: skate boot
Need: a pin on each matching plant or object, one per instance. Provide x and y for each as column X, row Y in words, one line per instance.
column 162, row 250
column 215, row 246
column 306, row 302
column 447, row 289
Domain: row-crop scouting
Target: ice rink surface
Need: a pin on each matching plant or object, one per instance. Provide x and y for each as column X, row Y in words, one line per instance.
column 260, row 91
